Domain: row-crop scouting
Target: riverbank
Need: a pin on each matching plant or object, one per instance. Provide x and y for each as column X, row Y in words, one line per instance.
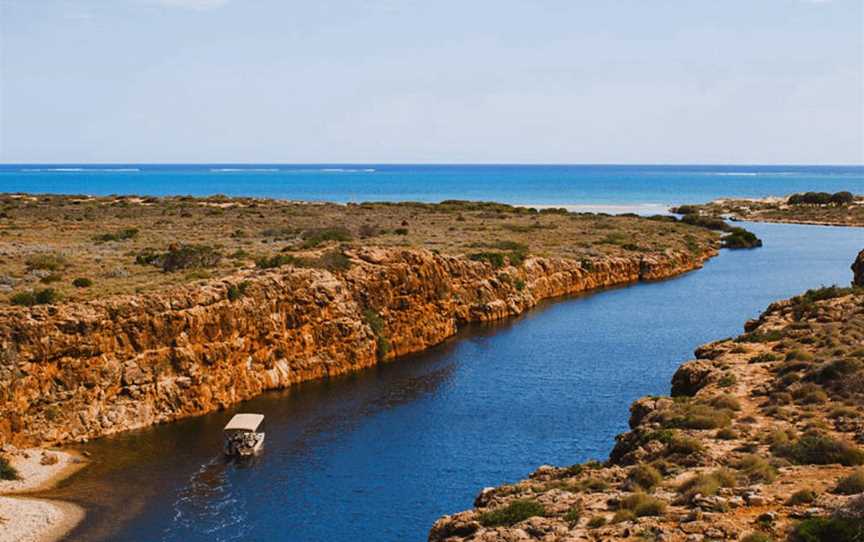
column 25, row 518
column 760, row 438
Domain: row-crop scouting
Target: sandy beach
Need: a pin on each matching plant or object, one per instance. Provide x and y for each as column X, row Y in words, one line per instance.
column 27, row 519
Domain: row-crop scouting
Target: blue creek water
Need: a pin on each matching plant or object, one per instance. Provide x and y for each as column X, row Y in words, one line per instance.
column 534, row 184
column 378, row 456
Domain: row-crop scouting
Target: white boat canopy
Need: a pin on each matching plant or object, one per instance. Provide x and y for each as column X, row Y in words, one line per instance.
column 244, row 422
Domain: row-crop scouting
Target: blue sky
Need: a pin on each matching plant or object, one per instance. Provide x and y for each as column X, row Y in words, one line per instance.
column 546, row 81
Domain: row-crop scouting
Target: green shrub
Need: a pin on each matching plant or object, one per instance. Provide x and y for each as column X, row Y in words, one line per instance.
column 809, row 394
column 740, row 238
column 821, row 198
column 333, row 260
column 7, row 471
column 596, row 521
column 802, row 496
column 727, row 380
column 46, row 262
column 314, row 237
column 53, row 277
column 82, row 282
column 401, row 231
column 843, row 412
column 513, row 513
column 643, row 505
column 708, row 222
column 836, row 370
column 818, row 449
column 645, row 476
column 519, row 284
column 683, row 445
column 495, row 259
column 707, row 484
column 726, row 434
column 236, row 291
column 696, row 416
column 726, row 401
column 277, row 260
column 765, row 357
column 45, row 296
column 376, row 324
column 121, row 235
column 852, row 484
column 757, row 337
column 623, row 515
column 593, row 485
column 189, row 257
column 757, row 469
column 757, row 537
column 800, row 355
column 834, row 529
column 572, row 516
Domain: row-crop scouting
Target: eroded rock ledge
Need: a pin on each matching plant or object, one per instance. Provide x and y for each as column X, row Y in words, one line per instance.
column 759, row 441
column 76, row 371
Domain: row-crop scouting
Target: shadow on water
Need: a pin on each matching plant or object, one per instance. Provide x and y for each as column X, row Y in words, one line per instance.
column 380, row 454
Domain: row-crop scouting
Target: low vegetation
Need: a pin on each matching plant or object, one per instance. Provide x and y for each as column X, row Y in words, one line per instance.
column 45, row 296
column 840, row 208
column 511, row 514
column 122, row 243
column 7, row 471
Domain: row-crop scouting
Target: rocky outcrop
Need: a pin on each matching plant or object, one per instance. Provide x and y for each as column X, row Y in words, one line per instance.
column 762, row 441
column 858, row 270
column 71, row 372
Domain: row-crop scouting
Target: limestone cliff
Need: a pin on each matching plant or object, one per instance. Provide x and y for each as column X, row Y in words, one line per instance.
column 76, row 371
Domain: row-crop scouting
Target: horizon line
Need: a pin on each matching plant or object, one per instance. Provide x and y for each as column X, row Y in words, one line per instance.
column 564, row 164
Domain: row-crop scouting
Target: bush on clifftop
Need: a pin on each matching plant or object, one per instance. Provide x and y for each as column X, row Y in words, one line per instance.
column 816, row 449
column 513, row 513
column 829, row 530
column 35, row 297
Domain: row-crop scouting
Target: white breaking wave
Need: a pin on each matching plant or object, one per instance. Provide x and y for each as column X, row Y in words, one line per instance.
column 81, row 169
column 241, row 169
column 748, row 173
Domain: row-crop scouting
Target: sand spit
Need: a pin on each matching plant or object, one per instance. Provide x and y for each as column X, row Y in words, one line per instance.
column 27, row 519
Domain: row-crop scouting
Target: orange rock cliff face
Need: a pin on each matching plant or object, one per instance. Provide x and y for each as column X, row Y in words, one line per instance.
column 77, row 371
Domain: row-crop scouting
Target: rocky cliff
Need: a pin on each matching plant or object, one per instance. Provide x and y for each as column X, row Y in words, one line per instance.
column 759, row 441
column 76, row 371
column 858, row 270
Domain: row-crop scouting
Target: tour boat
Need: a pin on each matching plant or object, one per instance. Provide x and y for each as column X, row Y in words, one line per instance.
column 242, row 437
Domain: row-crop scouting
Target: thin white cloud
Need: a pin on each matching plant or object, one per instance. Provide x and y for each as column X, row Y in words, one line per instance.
column 197, row 5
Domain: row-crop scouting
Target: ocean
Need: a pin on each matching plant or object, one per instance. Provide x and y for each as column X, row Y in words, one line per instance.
column 648, row 188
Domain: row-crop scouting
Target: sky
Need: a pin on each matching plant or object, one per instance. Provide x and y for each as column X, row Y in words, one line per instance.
column 435, row 81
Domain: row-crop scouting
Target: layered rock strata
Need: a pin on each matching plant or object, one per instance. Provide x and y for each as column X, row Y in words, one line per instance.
column 72, row 372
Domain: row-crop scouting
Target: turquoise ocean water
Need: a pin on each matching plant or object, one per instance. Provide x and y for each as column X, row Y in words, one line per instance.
column 533, row 184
